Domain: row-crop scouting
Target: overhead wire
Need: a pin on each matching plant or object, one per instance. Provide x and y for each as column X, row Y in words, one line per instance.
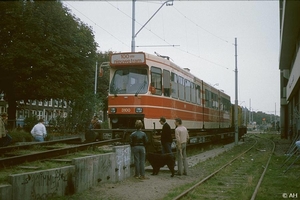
column 161, row 38
column 187, row 51
column 197, row 25
column 98, row 24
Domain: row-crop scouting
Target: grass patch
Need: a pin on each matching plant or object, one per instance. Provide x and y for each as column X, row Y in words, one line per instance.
column 276, row 182
column 248, row 170
column 46, row 164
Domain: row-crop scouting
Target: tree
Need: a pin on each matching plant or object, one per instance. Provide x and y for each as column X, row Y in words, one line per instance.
column 45, row 53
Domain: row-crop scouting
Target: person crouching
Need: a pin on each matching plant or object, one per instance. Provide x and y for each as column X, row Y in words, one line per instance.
column 39, row 131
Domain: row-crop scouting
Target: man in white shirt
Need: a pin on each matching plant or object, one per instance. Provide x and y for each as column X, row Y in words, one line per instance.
column 182, row 137
column 39, row 131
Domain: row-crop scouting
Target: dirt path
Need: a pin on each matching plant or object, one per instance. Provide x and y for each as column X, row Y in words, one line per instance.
column 154, row 188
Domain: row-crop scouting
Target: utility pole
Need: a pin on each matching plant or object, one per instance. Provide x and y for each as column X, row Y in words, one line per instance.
column 96, row 70
column 236, row 97
column 133, row 34
column 249, row 111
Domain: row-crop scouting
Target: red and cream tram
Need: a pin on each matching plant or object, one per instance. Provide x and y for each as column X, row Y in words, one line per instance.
column 146, row 87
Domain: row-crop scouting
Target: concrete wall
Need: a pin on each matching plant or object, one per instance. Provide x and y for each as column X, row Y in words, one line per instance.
column 86, row 172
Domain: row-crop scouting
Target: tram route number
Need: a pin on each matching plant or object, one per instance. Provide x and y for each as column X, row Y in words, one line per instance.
column 125, row 110
column 128, row 58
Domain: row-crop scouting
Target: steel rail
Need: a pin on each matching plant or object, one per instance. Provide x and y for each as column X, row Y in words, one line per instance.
column 263, row 174
column 211, row 175
column 26, row 146
column 16, row 160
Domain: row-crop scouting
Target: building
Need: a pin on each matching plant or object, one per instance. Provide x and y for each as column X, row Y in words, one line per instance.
column 289, row 65
column 48, row 110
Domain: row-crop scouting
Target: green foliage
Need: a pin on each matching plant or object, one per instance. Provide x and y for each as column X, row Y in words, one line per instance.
column 45, row 53
column 20, row 136
column 29, row 122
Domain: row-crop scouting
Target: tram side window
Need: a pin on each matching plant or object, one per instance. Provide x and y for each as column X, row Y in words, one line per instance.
column 193, row 93
column 156, row 80
column 208, row 102
column 215, row 103
column 227, row 105
column 181, row 87
column 187, row 90
column 222, row 103
column 198, row 94
column 174, row 85
column 166, row 83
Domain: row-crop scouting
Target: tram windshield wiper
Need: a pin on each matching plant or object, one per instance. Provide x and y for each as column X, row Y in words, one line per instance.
column 140, row 88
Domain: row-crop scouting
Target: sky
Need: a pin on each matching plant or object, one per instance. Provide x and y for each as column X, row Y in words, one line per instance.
column 199, row 35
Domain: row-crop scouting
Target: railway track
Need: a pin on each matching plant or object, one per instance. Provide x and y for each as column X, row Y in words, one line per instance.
column 12, row 156
column 240, row 177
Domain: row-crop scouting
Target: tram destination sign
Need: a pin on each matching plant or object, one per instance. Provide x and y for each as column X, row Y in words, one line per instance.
column 127, row 59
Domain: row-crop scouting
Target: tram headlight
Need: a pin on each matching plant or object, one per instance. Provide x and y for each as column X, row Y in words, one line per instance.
column 138, row 110
column 113, row 110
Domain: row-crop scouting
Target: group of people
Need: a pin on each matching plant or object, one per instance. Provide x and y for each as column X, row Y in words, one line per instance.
column 138, row 141
column 38, row 132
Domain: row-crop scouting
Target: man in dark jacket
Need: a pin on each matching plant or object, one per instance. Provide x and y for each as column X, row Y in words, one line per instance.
column 166, row 137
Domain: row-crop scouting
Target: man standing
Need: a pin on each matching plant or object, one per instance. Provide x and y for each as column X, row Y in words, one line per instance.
column 39, row 131
column 166, row 137
column 182, row 136
column 5, row 139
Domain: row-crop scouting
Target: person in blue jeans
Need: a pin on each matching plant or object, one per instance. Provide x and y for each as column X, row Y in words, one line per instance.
column 39, row 131
column 138, row 140
column 182, row 138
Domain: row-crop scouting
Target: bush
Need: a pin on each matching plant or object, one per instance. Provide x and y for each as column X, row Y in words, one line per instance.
column 20, row 136
column 29, row 122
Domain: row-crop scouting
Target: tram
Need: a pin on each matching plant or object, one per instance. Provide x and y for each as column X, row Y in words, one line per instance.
column 146, row 87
